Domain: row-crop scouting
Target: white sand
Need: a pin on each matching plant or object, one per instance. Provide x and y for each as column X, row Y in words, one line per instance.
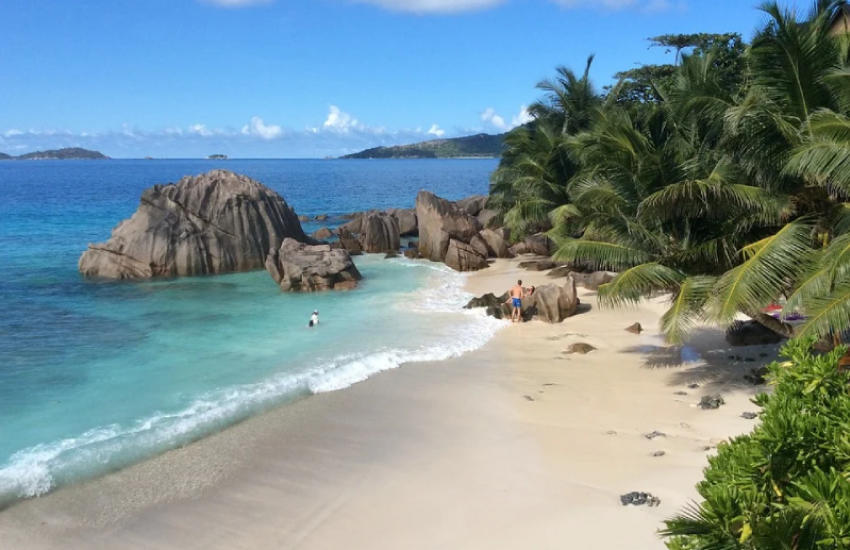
column 513, row 446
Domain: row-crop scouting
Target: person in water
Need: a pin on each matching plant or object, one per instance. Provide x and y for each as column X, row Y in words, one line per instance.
column 515, row 298
column 314, row 320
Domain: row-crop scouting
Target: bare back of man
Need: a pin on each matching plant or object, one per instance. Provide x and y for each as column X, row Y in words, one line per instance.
column 515, row 296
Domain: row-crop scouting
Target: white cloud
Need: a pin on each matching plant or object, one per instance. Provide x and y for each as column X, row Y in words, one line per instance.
column 258, row 127
column 457, row 6
column 13, row 132
column 522, row 118
column 489, row 115
column 496, row 120
column 435, row 131
column 201, row 130
column 339, row 121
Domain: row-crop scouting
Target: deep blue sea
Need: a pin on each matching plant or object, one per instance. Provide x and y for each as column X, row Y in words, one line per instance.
column 95, row 376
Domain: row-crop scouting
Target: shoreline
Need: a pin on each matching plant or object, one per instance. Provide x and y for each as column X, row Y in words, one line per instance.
column 509, row 444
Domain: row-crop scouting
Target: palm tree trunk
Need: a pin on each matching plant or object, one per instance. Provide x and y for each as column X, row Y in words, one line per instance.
column 774, row 324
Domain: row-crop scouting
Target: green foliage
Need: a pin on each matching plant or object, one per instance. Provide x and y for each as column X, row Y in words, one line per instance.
column 479, row 145
column 68, row 153
column 785, row 484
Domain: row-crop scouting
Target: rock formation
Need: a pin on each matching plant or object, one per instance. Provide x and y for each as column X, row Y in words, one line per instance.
column 552, row 303
column 217, row 222
column 472, row 205
column 751, row 333
column 441, row 221
column 496, row 243
column 299, row 267
column 407, row 224
column 379, row 233
column 349, row 243
column 464, row 257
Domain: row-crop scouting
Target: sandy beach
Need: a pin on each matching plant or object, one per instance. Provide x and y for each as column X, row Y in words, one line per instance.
column 516, row 445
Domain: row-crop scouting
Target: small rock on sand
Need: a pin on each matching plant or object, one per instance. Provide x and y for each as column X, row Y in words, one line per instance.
column 711, row 402
column 580, row 348
column 635, row 328
column 528, row 398
column 636, row 498
column 655, row 434
column 693, row 386
column 681, row 393
column 749, row 415
column 658, row 454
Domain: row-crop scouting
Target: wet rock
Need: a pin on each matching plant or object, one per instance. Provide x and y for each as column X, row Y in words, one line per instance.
column 322, row 234
column 580, row 348
column 636, row 498
column 322, row 217
column 749, row 415
column 391, row 254
column 635, row 328
column 488, row 300
column 349, row 243
column 303, row 218
column 218, row 222
column 711, row 402
column 298, row 267
column 751, row 333
column 412, row 253
column 654, row 434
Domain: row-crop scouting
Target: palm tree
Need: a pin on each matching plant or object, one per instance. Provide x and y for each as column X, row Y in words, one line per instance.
column 535, row 168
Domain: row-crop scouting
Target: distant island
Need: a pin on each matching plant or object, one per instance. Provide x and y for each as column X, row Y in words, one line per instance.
column 217, row 157
column 480, row 145
column 69, row 153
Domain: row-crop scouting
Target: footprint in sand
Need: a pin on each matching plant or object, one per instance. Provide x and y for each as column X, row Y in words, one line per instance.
column 528, row 398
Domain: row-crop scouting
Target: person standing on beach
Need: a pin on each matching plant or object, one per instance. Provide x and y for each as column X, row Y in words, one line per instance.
column 515, row 297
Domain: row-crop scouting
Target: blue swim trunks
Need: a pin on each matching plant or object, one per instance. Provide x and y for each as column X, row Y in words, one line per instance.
column 517, row 302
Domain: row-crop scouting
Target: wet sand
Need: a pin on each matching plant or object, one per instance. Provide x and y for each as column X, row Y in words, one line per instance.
column 514, row 445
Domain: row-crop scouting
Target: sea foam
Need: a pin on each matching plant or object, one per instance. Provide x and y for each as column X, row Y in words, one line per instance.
column 39, row 469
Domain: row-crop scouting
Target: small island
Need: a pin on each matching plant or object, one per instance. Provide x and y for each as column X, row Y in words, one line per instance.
column 477, row 146
column 218, row 156
column 68, row 153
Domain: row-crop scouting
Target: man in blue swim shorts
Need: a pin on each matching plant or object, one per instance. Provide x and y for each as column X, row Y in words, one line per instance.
column 515, row 297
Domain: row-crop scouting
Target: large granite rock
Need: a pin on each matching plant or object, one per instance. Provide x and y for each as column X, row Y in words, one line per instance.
column 472, row 205
column 441, row 221
column 553, row 303
column 407, row 224
column 487, row 217
column 348, row 242
column 217, row 222
column 379, row 233
column 496, row 243
column 298, row 267
column 539, row 244
column 464, row 257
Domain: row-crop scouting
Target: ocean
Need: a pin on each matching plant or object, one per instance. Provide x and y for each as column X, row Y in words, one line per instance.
column 95, row 376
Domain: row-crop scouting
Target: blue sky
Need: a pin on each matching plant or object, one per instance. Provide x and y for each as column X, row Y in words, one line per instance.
column 307, row 78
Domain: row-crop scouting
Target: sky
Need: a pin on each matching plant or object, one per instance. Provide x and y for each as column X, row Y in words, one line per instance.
column 308, row 78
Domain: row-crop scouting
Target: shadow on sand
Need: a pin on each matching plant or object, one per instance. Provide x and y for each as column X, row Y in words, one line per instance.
column 707, row 360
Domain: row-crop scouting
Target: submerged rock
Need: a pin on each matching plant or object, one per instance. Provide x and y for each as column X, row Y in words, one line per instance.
column 217, row 222
column 298, row 267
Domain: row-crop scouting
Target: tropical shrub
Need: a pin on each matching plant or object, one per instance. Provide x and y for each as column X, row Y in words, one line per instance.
column 785, row 485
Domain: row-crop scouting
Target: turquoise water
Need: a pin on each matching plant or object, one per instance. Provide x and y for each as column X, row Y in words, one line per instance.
column 96, row 376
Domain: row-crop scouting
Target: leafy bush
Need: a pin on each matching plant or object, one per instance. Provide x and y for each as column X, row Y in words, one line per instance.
column 785, row 485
